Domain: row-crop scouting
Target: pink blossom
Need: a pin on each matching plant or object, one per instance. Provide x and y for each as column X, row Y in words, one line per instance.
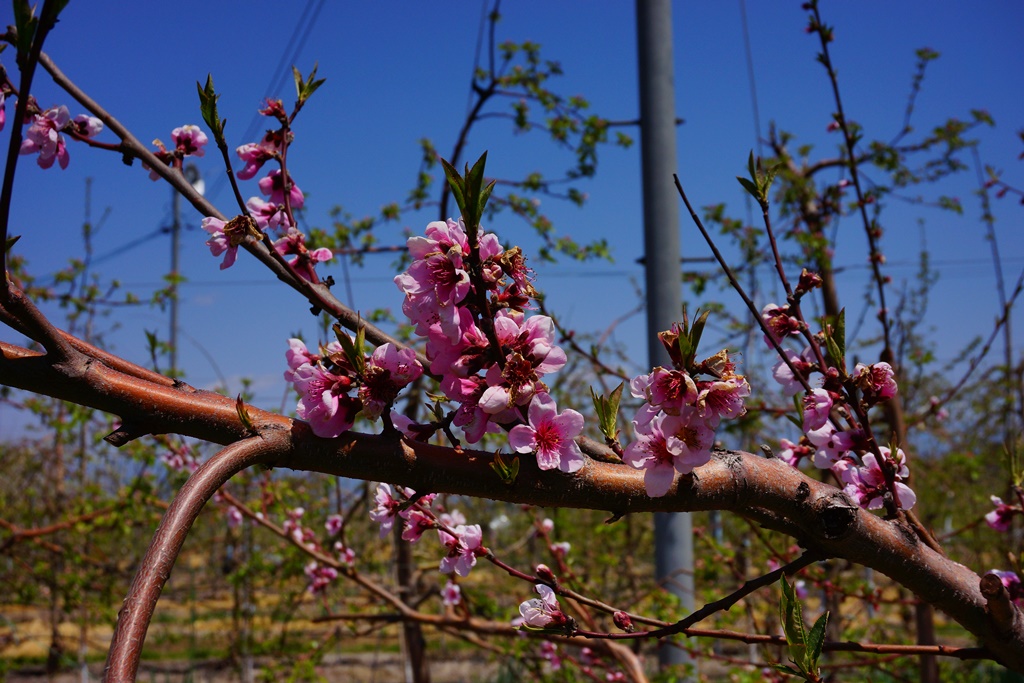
column 345, row 554
column 3, row 109
column 319, row 577
column 781, row 372
column 547, row 525
column 43, row 137
column 272, row 185
column 385, row 510
column 180, row 459
column 451, row 594
column 670, row 390
column 324, row 401
column 877, row 381
column 666, row 445
column 189, row 140
column 436, row 281
column 294, row 242
column 534, row 339
column 532, row 353
column 334, row 524
column 296, row 356
column 542, row 612
column 793, row 453
column 462, row 358
column 461, row 555
column 722, row 398
column 1000, row 518
column 234, row 516
column 867, row 486
column 417, row 522
column 689, row 438
column 255, row 154
column 561, row 549
column 473, row 420
column 549, row 651
column 388, row 370
column 86, row 126
column 267, row 215
column 817, row 405
column 832, row 444
column 550, row 434
column 412, row 430
column 219, row 243
column 779, row 322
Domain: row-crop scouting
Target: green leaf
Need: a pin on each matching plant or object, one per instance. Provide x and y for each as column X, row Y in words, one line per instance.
column 698, row 329
column 751, row 167
column 305, row 88
column 11, row 241
column 769, row 178
column 456, row 183
column 687, row 352
column 353, row 350
column 840, row 333
column 26, row 22
column 607, row 409
column 792, row 618
column 208, row 107
column 750, row 187
column 815, row 641
column 243, row 414
column 485, row 194
column 297, row 75
column 506, row 470
column 615, row 397
column 788, row 670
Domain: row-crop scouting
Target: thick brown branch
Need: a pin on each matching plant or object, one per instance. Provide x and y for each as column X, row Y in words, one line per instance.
column 767, row 491
column 155, row 569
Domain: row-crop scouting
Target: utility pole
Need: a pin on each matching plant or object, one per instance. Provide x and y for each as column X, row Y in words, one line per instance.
column 673, row 532
column 175, row 254
column 195, row 179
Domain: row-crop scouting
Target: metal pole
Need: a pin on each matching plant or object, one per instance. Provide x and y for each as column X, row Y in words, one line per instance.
column 673, row 532
column 175, row 251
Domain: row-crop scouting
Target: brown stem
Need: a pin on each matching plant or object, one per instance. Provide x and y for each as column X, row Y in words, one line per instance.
column 155, row 568
column 318, row 295
column 768, row 492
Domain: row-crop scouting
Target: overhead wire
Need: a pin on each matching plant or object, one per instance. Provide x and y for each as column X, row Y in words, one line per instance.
column 296, row 42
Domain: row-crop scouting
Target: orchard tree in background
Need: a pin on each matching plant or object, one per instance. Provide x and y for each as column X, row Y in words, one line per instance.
column 467, row 402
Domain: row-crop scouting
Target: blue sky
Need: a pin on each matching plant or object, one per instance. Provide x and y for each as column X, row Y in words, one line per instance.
column 399, row 71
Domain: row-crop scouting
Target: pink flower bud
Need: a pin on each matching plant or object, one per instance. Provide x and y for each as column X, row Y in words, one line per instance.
column 622, row 621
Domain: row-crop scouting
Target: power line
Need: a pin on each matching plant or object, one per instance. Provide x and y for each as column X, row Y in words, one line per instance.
column 281, row 72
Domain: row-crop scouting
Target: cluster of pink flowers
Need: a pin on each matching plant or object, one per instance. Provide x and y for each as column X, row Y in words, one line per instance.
column 320, row 576
column 675, row 427
column 44, row 138
column 273, row 212
column 491, row 365
column 180, row 459
column 461, row 541
column 824, row 443
column 326, row 384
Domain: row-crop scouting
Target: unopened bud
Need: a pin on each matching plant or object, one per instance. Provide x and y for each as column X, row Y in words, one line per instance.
column 808, row 281
column 544, row 573
column 622, row 621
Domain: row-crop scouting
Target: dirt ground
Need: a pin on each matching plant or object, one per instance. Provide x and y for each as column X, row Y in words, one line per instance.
column 355, row 668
